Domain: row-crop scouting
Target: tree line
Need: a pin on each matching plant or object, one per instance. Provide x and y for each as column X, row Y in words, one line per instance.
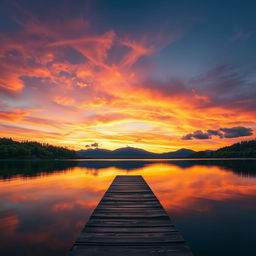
column 244, row 149
column 10, row 149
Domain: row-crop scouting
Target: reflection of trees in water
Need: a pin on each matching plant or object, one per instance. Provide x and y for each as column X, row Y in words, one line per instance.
column 9, row 169
column 37, row 168
column 240, row 167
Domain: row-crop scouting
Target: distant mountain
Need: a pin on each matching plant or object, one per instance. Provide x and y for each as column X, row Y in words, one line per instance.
column 244, row 149
column 131, row 153
column 179, row 153
column 95, row 153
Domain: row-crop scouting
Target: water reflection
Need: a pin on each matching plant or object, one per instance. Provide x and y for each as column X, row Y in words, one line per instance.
column 43, row 215
column 240, row 167
column 9, row 169
column 43, row 206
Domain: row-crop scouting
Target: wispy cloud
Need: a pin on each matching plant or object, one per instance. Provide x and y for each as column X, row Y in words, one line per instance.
column 71, row 84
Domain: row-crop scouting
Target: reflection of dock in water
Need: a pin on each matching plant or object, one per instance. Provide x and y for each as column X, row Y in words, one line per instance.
column 129, row 220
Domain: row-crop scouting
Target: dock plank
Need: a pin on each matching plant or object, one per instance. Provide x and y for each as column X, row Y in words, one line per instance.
column 129, row 220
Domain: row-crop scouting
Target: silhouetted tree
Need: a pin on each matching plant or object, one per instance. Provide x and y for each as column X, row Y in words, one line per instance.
column 244, row 149
column 30, row 150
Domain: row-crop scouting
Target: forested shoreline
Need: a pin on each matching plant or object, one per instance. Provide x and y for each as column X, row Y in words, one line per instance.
column 244, row 149
column 11, row 149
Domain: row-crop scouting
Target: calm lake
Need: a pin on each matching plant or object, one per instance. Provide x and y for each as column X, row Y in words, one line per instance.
column 44, row 205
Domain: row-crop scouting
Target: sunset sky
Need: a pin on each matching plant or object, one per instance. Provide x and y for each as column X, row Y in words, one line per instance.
column 158, row 75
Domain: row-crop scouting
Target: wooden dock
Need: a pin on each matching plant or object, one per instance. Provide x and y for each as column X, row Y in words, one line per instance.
column 129, row 220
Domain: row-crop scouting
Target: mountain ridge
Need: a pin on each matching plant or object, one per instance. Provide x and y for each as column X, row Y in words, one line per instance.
column 131, row 153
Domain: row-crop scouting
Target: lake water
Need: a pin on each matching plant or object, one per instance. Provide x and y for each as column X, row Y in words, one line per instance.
column 44, row 205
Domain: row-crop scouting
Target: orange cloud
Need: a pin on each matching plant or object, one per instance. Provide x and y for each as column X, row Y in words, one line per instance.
column 89, row 90
column 12, row 116
column 64, row 101
column 9, row 79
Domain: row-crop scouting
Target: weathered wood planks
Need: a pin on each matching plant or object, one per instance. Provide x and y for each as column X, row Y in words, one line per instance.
column 129, row 220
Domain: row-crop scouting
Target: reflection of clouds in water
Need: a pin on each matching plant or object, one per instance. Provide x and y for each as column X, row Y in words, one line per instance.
column 62, row 207
column 46, row 213
column 50, row 210
column 179, row 189
column 8, row 222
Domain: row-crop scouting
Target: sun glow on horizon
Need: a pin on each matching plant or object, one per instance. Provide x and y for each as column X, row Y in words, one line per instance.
column 66, row 82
